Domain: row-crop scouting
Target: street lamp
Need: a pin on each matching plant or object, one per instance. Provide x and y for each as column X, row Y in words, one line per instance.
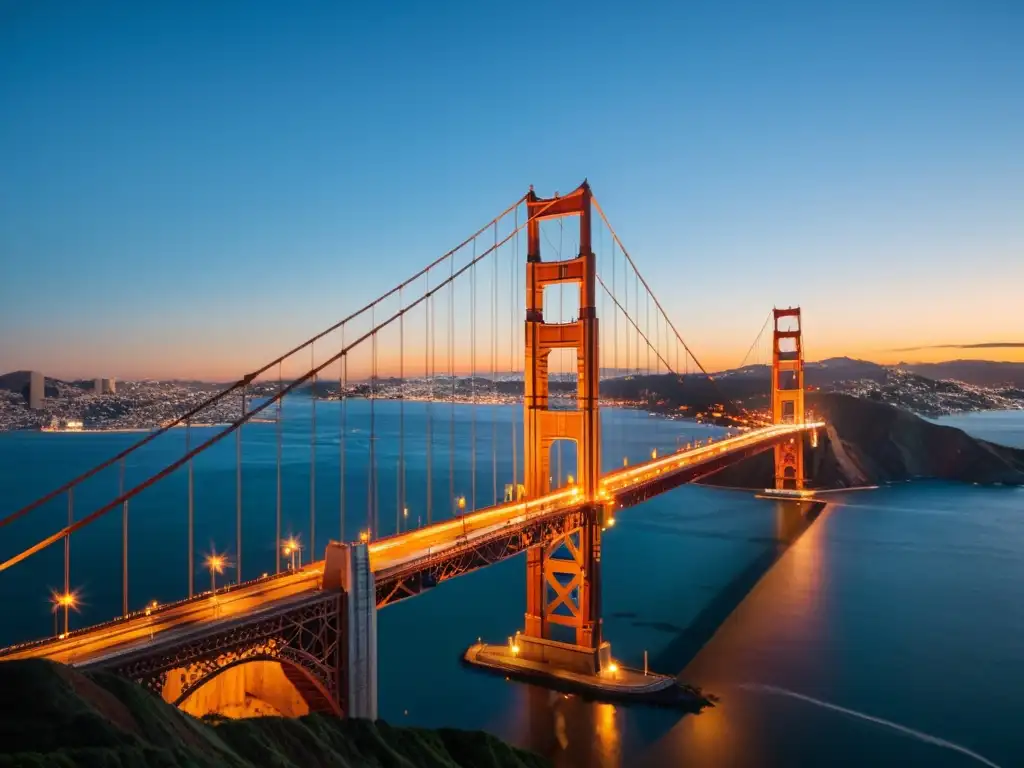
column 67, row 601
column 405, row 517
column 216, row 565
column 290, row 546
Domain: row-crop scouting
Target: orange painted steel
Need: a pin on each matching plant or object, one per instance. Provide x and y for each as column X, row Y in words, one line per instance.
column 788, row 395
column 563, row 590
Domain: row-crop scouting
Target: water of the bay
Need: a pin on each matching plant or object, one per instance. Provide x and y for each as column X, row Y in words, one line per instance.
column 886, row 631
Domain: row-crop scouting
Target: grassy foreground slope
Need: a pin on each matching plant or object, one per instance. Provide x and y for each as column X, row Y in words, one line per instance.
column 52, row 715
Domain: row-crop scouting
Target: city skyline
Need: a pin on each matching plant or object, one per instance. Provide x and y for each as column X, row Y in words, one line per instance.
column 189, row 193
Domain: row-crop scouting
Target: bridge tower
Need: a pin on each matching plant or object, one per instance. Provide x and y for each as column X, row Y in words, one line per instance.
column 563, row 591
column 788, row 395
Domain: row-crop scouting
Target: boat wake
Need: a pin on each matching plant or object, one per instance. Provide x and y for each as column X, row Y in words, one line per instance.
column 872, row 719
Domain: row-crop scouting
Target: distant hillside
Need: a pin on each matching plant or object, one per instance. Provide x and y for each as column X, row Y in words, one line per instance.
column 822, row 373
column 18, row 381
column 55, row 715
column 981, row 373
column 868, row 443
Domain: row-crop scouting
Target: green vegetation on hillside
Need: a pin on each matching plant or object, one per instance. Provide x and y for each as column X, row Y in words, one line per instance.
column 52, row 715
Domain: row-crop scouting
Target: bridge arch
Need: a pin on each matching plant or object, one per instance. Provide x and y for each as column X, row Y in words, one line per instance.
column 252, row 685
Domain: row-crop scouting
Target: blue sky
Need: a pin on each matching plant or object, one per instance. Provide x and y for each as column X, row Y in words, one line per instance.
column 187, row 188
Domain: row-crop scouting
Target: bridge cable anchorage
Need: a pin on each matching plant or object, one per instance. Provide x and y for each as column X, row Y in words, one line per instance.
column 212, row 400
column 246, row 416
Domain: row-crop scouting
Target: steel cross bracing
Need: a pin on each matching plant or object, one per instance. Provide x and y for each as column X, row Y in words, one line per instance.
column 305, row 637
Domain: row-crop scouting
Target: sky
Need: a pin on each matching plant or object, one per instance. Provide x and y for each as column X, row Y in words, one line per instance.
column 189, row 188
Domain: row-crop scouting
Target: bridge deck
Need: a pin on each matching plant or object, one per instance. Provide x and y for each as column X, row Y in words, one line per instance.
column 396, row 556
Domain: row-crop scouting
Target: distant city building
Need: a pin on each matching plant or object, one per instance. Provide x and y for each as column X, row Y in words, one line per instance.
column 104, row 386
column 97, row 386
column 36, row 390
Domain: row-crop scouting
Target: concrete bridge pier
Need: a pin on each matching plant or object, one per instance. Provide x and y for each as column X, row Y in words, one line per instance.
column 347, row 568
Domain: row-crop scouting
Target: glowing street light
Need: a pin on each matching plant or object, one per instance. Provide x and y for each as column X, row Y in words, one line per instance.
column 364, row 536
column 290, row 547
column 216, row 565
column 460, row 502
column 67, row 601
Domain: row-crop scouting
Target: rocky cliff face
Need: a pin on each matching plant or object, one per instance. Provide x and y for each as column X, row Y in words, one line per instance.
column 867, row 443
column 54, row 715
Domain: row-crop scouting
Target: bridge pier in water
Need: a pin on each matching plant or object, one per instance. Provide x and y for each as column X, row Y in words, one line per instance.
column 563, row 577
column 563, row 574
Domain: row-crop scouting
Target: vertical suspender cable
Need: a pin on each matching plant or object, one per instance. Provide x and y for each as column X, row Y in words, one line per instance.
column 342, row 441
column 429, row 363
column 472, row 380
column 238, row 493
column 401, row 413
column 494, row 369
column 124, row 547
column 191, row 512
column 312, row 457
column 451, row 373
column 277, row 499
column 513, row 365
column 71, row 517
column 373, row 426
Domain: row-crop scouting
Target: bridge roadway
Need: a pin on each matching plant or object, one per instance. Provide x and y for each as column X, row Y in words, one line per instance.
column 390, row 557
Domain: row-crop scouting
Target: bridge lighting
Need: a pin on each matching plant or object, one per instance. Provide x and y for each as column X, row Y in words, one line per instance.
column 216, row 564
column 611, row 522
column 654, row 453
column 67, row 601
column 291, row 547
column 625, row 461
column 461, row 503
column 364, row 536
column 570, row 480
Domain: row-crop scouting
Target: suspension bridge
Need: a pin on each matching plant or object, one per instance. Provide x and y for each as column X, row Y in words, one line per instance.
column 463, row 332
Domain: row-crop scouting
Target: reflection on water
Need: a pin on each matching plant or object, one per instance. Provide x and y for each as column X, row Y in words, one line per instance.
column 574, row 732
column 569, row 730
column 888, row 634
